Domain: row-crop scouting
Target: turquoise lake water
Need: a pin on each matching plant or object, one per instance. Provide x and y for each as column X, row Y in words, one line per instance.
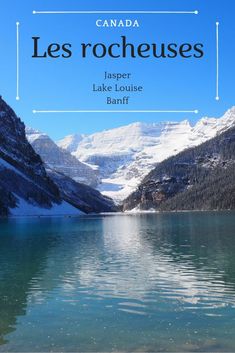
column 150, row 282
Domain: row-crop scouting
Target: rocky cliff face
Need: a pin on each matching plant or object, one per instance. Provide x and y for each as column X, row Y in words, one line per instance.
column 200, row 178
column 82, row 196
column 25, row 186
column 15, row 149
column 22, row 174
column 61, row 160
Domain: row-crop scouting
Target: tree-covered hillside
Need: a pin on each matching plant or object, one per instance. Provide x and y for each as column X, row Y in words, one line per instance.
column 200, row 178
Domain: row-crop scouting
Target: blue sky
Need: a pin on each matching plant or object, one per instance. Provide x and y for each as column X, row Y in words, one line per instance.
column 169, row 84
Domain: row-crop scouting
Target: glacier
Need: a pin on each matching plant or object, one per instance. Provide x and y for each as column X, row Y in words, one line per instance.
column 125, row 155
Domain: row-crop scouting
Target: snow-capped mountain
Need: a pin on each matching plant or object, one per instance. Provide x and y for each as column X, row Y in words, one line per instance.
column 70, row 142
column 61, row 160
column 199, row 178
column 27, row 188
column 125, row 155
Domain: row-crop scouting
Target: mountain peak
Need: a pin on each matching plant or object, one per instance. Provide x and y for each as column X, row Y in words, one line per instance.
column 229, row 115
column 61, row 160
column 124, row 155
column 70, row 142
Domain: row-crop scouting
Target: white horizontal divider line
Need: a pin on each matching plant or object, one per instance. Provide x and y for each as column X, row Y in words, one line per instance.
column 112, row 111
column 196, row 12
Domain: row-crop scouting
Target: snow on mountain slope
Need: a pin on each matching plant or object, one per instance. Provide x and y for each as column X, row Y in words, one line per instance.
column 71, row 142
column 28, row 188
column 125, row 155
column 25, row 209
column 61, row 160
column 24, row 183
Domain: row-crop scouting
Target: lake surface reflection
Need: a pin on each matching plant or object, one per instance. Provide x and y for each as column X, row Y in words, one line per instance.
column 150, row 282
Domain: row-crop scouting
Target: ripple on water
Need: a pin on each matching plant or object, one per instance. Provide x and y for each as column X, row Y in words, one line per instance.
column 119, row 284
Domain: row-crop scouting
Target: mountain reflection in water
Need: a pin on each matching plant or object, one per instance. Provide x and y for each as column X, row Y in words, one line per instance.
column 150, row 282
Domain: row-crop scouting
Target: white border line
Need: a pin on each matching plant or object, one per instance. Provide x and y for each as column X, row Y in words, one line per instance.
column 217, row 62
column 113, row 111
column 17, row 61
column 196, row 12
